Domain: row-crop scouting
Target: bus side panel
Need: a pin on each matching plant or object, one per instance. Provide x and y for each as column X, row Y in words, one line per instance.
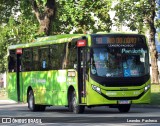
column 61, row 87
column 21, row 87
column 40, row 84
column 50, row 87
column 43, row 87
column 47, row 86
column 93, row 97
column 50, row 96
column 26, row 82
column 12, row 86
column 53, row 86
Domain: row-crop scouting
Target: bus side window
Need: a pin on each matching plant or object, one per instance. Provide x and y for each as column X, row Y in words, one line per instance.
column 56, row 56
column 72, row 56
column 44, row 58
column 65, row 56
column 12, row 61
column 35, row 59
column 27, row 59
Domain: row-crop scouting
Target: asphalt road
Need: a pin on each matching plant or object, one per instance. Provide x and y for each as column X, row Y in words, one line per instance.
column 18, row 114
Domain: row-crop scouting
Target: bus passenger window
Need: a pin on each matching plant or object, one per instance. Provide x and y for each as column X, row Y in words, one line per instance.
column 72, row 56
column 56, row 56
column 12, row 64
column 27, row 59
column 44, row 58
column 12, row 61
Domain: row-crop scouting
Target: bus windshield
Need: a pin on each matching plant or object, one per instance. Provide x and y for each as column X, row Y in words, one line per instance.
column 119, row 62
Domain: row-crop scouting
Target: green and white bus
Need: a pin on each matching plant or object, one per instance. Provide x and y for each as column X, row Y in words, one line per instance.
column 80, row 70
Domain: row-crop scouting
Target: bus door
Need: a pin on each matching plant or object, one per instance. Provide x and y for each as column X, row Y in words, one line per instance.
column 19, row 76
column 82, row 58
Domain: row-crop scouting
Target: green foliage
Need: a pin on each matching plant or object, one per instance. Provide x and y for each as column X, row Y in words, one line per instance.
column 15, row 29
column 7, row 9
column 79, row 16
column 155, row 94
column 132, row 13
column 138, row 15
column 82, row 16
column 41, row 2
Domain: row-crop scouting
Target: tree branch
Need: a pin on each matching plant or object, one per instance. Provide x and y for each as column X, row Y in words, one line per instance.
column 50, row 8
column 36, row 11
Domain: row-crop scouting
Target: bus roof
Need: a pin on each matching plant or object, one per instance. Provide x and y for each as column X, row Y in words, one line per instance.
column 61, row 39
column 118, row 33
column 48, row 40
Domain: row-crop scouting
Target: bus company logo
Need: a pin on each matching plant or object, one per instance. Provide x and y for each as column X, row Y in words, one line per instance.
column 133, row 51
column 123, row 93
column 6, row 120
column 35, row 80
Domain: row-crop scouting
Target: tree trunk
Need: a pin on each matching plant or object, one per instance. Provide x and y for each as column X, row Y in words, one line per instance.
column 45, row 17
column 152, row 46
column 153, row 55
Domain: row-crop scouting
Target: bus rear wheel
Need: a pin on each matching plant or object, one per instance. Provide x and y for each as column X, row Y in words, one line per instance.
column 73, row 105
column 124, row 108
column 31, row 103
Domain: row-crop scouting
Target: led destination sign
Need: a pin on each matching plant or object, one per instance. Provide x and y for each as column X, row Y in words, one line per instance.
column 117, row 40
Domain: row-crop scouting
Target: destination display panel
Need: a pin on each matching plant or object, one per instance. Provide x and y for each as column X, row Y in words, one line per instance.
column 118, row 41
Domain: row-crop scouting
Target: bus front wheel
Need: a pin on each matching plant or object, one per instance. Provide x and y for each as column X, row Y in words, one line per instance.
column 124, row 108
column 73, row 105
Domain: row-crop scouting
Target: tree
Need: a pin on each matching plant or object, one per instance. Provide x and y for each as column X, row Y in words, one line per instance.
column 7, row 9
column 137, row 15
column 82, row 16
column 45, row 12
column 65, row 16
column 41, row 15
column 15, row 29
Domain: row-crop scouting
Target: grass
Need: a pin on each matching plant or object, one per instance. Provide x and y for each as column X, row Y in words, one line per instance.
column 155, row 94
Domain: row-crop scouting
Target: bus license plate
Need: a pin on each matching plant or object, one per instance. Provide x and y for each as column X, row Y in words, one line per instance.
column 124, row 102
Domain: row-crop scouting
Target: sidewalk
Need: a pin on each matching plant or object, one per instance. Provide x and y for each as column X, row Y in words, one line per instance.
column 7, row 102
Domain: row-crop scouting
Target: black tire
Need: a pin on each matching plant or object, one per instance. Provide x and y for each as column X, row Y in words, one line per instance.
column 31, row 103
column 124, row 108
column 73, row 105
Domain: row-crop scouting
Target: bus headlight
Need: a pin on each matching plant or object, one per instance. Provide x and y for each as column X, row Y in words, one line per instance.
column 97, row 89
column 147, row 87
